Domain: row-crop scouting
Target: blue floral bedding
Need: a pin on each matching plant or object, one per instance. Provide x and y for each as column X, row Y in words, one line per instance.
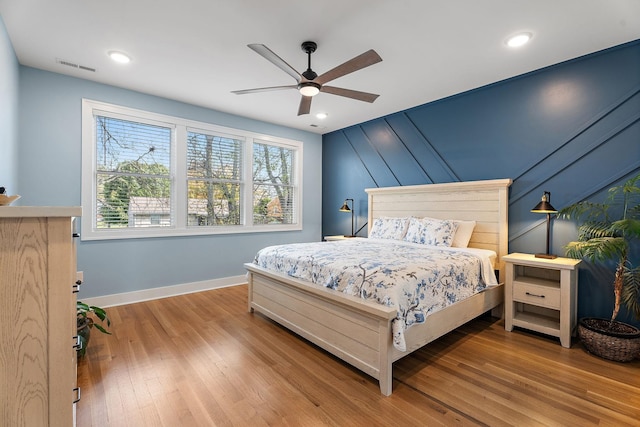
column 417, row 279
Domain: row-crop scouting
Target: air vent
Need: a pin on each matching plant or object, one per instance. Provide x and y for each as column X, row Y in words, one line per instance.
column 313, row 126
column 74, row 65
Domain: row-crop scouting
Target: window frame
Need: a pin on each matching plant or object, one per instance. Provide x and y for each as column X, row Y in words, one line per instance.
column 179, row 180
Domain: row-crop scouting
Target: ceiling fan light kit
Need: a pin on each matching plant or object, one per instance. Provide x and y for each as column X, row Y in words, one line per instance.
column 309, row 83
column 309, row 89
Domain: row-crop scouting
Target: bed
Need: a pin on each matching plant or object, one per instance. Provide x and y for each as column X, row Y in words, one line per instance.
column 360, row 332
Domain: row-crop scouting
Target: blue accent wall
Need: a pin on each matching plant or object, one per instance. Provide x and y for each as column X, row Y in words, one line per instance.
column 8, row 113
column 49, row 172
column 572, row 129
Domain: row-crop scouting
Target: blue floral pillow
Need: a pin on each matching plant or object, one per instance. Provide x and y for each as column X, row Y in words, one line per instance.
column 430, row 231
column 389, row 228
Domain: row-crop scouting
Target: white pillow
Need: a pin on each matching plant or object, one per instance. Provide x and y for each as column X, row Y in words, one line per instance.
column 463, row 233
column 389, row 228
column 430, row 231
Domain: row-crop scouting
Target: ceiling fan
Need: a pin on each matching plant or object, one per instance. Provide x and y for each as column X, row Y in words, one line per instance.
column 309, row 83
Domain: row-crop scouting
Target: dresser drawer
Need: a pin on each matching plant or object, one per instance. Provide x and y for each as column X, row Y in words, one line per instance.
column 540, row 295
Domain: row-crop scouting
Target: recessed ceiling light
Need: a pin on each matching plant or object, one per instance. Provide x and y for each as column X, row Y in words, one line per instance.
column 519, row 39
column 322, row 116
column 120, row 57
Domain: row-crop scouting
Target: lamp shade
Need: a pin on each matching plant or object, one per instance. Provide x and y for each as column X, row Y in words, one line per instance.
column 545, row 206
column 345, row 207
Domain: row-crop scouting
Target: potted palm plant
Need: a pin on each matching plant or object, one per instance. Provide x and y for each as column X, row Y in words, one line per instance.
column 607, row 233
column 86, row 322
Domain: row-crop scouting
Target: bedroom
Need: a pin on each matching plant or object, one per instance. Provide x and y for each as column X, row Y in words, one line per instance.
column 146, row 267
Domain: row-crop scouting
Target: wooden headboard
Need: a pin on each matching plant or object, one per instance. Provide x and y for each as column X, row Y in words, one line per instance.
column 486, row 202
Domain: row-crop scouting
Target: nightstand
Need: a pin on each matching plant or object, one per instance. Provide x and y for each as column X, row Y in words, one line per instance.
column 338, row 237
column 541, row 295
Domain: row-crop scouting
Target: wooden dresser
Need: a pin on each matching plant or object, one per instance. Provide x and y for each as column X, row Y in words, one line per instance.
column 37, row 316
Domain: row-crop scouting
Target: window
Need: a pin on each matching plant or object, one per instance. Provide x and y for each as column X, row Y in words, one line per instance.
column 133, row 173
column 150, row 175
column 273, row 189
column 214, row 174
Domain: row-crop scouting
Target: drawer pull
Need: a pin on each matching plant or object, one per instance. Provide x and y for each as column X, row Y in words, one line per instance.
column 77, row 390
column 78, row 344
column 534, row 295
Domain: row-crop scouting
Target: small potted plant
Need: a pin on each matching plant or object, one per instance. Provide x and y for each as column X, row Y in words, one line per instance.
column 85, row 323
column 607, row 232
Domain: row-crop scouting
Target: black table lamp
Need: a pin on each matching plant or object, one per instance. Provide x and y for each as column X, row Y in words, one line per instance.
column 545, row 207
column 345, row 208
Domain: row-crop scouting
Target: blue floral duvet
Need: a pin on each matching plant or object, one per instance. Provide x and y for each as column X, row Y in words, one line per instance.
column 417, row 279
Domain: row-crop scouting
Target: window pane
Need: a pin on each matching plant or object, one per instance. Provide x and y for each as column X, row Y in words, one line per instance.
column 272, row 164
column 133, row 174
column 214, row 167
column 126, row 200
column 216, row 157
column 213, row 203
column 273, row 186
column 273, row 204
column 120, row 142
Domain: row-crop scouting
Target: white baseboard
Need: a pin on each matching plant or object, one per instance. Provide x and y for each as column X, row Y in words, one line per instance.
column 164, row 292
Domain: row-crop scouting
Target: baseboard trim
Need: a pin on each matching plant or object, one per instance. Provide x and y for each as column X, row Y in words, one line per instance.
column 163, row 292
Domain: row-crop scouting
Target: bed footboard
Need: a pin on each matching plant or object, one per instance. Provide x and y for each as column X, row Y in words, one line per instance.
column 356, row 332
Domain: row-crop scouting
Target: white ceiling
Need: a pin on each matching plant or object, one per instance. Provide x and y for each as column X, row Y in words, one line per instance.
column 196, row 51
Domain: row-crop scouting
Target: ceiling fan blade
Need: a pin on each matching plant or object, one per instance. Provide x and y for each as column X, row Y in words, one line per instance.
column 268, row 54
column 263, row 89
column 370, row 57
column 305, row 105
column 354, row 94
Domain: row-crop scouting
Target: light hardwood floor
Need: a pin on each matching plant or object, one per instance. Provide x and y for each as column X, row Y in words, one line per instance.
column 203, row 360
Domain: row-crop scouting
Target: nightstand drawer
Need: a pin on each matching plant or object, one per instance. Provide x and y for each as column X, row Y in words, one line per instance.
column 540, row 295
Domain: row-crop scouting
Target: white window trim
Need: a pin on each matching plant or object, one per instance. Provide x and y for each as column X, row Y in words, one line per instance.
column 179, row 175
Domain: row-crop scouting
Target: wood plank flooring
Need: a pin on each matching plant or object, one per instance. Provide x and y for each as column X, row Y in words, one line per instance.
column 203, row 360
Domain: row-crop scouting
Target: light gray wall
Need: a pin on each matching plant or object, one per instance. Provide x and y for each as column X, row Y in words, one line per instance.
column 50, row 174
column 8, row 113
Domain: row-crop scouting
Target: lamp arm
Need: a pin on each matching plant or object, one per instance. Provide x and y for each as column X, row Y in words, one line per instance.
column 548, row 231
column 352, row 220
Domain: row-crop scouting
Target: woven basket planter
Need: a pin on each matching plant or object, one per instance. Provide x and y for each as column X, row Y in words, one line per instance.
column 623, row 345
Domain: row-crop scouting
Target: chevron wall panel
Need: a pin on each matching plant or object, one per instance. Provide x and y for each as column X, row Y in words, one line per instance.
column 572, row 129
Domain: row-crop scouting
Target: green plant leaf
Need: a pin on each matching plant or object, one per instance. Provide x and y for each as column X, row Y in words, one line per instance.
column 101, row 329
column 598, row 249
column 631, row 291
column 629, row 227
column 83, row 310
column 588, row 211
column 602, row 238
column 594, row 230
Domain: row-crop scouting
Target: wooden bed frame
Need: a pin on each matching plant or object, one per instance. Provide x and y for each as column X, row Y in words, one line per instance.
column 359, row 332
